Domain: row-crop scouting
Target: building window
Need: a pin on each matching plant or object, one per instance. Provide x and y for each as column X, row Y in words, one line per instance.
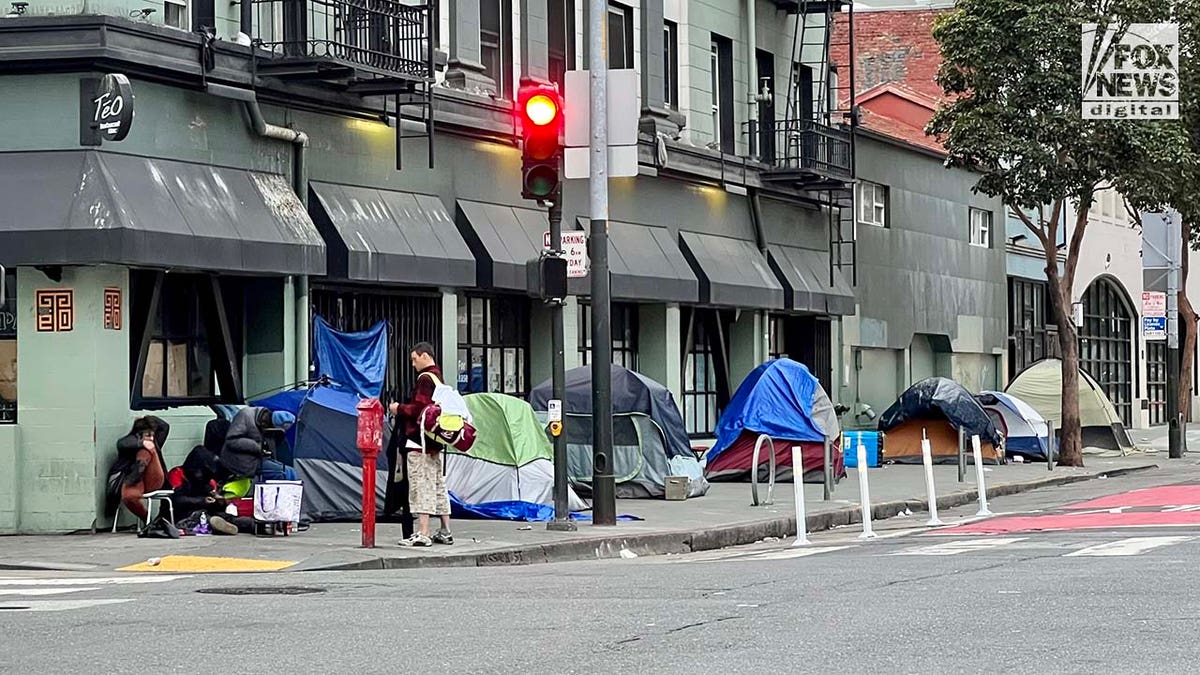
column 495, row 44
column 872, row 204
column 620, row 37
column 562, row 40
column 700, row 412
column 180, row 345
column 624, row 334
column 671, row 64
column 981, row 228
column 493, row 345
column 777, row 336
column 8, row 349
column 721, row 65
column 1031, row 337
column 175, row 14
column 1106, row 343
column 1156, row 381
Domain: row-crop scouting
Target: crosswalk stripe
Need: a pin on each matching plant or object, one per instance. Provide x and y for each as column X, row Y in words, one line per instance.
column 82, row 581
column 789, row 553
column 1125, row 547
column 45, row 591
column 956, row 547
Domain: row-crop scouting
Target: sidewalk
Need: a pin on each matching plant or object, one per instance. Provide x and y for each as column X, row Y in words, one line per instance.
column 721, row 518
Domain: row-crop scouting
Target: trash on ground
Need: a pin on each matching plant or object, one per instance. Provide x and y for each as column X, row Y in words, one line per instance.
column 770, row 540
column 526, row 527
column 627, row 554
column 154, row 561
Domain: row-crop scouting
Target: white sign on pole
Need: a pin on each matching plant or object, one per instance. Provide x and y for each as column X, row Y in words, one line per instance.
column 1154, row 304
column 1154, row 328
column 554, row 410
column 575, row 249
column 622, row 123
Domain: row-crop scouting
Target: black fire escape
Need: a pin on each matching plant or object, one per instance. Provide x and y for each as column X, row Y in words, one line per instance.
column 364, row 47
column 811, row 149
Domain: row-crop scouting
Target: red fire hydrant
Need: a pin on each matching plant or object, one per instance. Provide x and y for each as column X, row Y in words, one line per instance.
column 370, row 441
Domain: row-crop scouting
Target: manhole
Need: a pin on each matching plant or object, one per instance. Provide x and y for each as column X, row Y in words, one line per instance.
column 262, row 590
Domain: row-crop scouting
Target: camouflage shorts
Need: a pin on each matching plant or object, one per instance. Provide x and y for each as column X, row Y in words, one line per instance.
column 427, row 485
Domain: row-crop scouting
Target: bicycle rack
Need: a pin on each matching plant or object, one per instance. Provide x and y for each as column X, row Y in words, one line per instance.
column 754, row 473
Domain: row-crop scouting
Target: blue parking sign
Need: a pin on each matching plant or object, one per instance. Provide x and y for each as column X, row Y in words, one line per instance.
column 1154, row 327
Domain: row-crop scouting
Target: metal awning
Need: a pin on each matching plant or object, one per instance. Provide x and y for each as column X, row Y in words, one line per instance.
column 732, row 272
column 503, row 239
column 806, row 283
column 87, row 207
column 645, row 264
column 387, row 236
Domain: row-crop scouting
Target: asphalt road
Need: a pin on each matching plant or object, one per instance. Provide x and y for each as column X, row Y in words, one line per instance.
column 1110, row 600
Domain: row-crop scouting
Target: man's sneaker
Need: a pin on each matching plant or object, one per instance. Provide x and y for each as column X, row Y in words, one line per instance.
column 417, row 539
column 222, row 526
column 443, row 536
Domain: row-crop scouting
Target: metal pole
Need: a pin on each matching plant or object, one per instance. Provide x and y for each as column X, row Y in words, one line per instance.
column 604, row 503
column 828, row 492
column 1174, row 416
column 1050, row 446
column 562, row 508
column 962, row 458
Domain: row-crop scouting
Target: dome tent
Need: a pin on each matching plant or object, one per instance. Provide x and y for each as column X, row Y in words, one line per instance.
column 1040, row 385
column 936, row 408
column 649, row 440
column 1025, row 432
column 784, row 401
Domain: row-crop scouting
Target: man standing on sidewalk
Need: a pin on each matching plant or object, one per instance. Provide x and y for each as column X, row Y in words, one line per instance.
column 427, row 494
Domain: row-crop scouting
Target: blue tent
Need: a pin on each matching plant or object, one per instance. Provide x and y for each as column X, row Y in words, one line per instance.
column 783, row 400
column 324, row 452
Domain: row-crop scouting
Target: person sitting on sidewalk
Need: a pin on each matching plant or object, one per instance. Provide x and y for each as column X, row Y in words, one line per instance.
column 427, row 493
column 196, row 484
column 139, row 467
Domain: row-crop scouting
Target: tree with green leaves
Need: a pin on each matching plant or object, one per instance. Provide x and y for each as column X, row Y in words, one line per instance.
column 1011, row 72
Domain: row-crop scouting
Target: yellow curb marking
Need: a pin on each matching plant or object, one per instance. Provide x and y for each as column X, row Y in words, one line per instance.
column 201, row 564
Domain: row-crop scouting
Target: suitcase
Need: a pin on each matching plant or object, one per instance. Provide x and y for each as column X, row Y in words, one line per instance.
column 873, row 443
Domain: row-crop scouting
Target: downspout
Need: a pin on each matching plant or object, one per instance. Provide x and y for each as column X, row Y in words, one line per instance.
column 752, row 72
column 299, row 141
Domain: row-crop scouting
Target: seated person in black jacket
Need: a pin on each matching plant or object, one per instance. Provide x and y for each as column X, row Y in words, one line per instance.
column 197, row 483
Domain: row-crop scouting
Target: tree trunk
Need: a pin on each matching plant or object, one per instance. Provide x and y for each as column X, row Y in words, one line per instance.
column 1070, row 443
column 1187, row 349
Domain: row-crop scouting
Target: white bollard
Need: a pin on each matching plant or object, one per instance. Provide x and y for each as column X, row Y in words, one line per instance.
column 927, row 459
column 979, row 484
column 798, row 485
column 864, row 493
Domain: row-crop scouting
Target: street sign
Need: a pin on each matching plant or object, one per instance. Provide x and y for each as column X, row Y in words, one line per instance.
column 622, row 118
column 1154, row 303
column 1154, row 328
column 574, row 250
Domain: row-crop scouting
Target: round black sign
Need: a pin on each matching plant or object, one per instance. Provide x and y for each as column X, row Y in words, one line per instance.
column 112, row 108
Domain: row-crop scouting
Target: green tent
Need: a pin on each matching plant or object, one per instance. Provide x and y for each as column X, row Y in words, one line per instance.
column 510, row 464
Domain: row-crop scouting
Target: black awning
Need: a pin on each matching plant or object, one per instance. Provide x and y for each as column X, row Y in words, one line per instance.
column 645, row 264
column 388, row 236
column 805, row 276
column 87, row 207
column 503, row 239
column 732, row 272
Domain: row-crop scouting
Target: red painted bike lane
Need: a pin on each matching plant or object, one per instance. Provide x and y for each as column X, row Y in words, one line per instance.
column 1166, row 506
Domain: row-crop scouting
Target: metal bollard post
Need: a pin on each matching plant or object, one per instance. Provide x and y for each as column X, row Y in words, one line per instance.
column 1050, row 446
column 980, row 487
column 864, row 493
column 798, row 486
column 754, row 473
column 927, row 460
column 828, row 492
column 962, row 457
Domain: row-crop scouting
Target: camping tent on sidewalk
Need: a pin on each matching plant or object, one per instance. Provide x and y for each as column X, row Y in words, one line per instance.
column 509, row 471
column 1040, row 385
column 1025, row 431
column 783, row 400
column 649, row 440
column 937, row 407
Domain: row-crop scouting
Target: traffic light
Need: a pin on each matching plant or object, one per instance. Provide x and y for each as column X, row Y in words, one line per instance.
column 540, row 111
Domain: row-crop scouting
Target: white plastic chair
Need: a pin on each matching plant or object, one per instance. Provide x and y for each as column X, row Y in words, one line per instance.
column 158, row 496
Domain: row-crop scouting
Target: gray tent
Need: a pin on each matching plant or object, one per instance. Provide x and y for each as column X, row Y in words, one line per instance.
column 649, row 440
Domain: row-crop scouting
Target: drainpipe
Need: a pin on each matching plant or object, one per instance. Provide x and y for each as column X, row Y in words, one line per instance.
column 299, row 141
column 752, row 69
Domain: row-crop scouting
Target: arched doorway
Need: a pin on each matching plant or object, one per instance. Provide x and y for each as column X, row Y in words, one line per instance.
column 1106, row 343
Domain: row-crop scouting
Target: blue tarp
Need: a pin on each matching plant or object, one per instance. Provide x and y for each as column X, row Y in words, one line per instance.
column 518, row 511
column 355, row 362
column 775, row 399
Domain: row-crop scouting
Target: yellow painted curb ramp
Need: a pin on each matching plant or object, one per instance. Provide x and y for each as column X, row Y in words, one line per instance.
column 200, row 564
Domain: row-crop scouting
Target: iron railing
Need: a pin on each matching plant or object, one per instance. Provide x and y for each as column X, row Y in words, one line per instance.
column 385, row 35
column 804, row 145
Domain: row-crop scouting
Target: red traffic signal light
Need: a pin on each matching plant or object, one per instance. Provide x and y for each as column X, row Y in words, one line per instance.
column 539, row 110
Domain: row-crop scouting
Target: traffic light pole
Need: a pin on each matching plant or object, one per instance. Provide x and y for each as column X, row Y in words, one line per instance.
column 562, row 517
column 604, row 504
column 1175, row 432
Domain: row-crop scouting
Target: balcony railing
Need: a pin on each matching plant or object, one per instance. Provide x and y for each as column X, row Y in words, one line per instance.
column 804, row 146
column 385, row 36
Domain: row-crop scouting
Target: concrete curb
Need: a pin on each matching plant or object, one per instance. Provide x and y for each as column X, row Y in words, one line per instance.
column 686, row 541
